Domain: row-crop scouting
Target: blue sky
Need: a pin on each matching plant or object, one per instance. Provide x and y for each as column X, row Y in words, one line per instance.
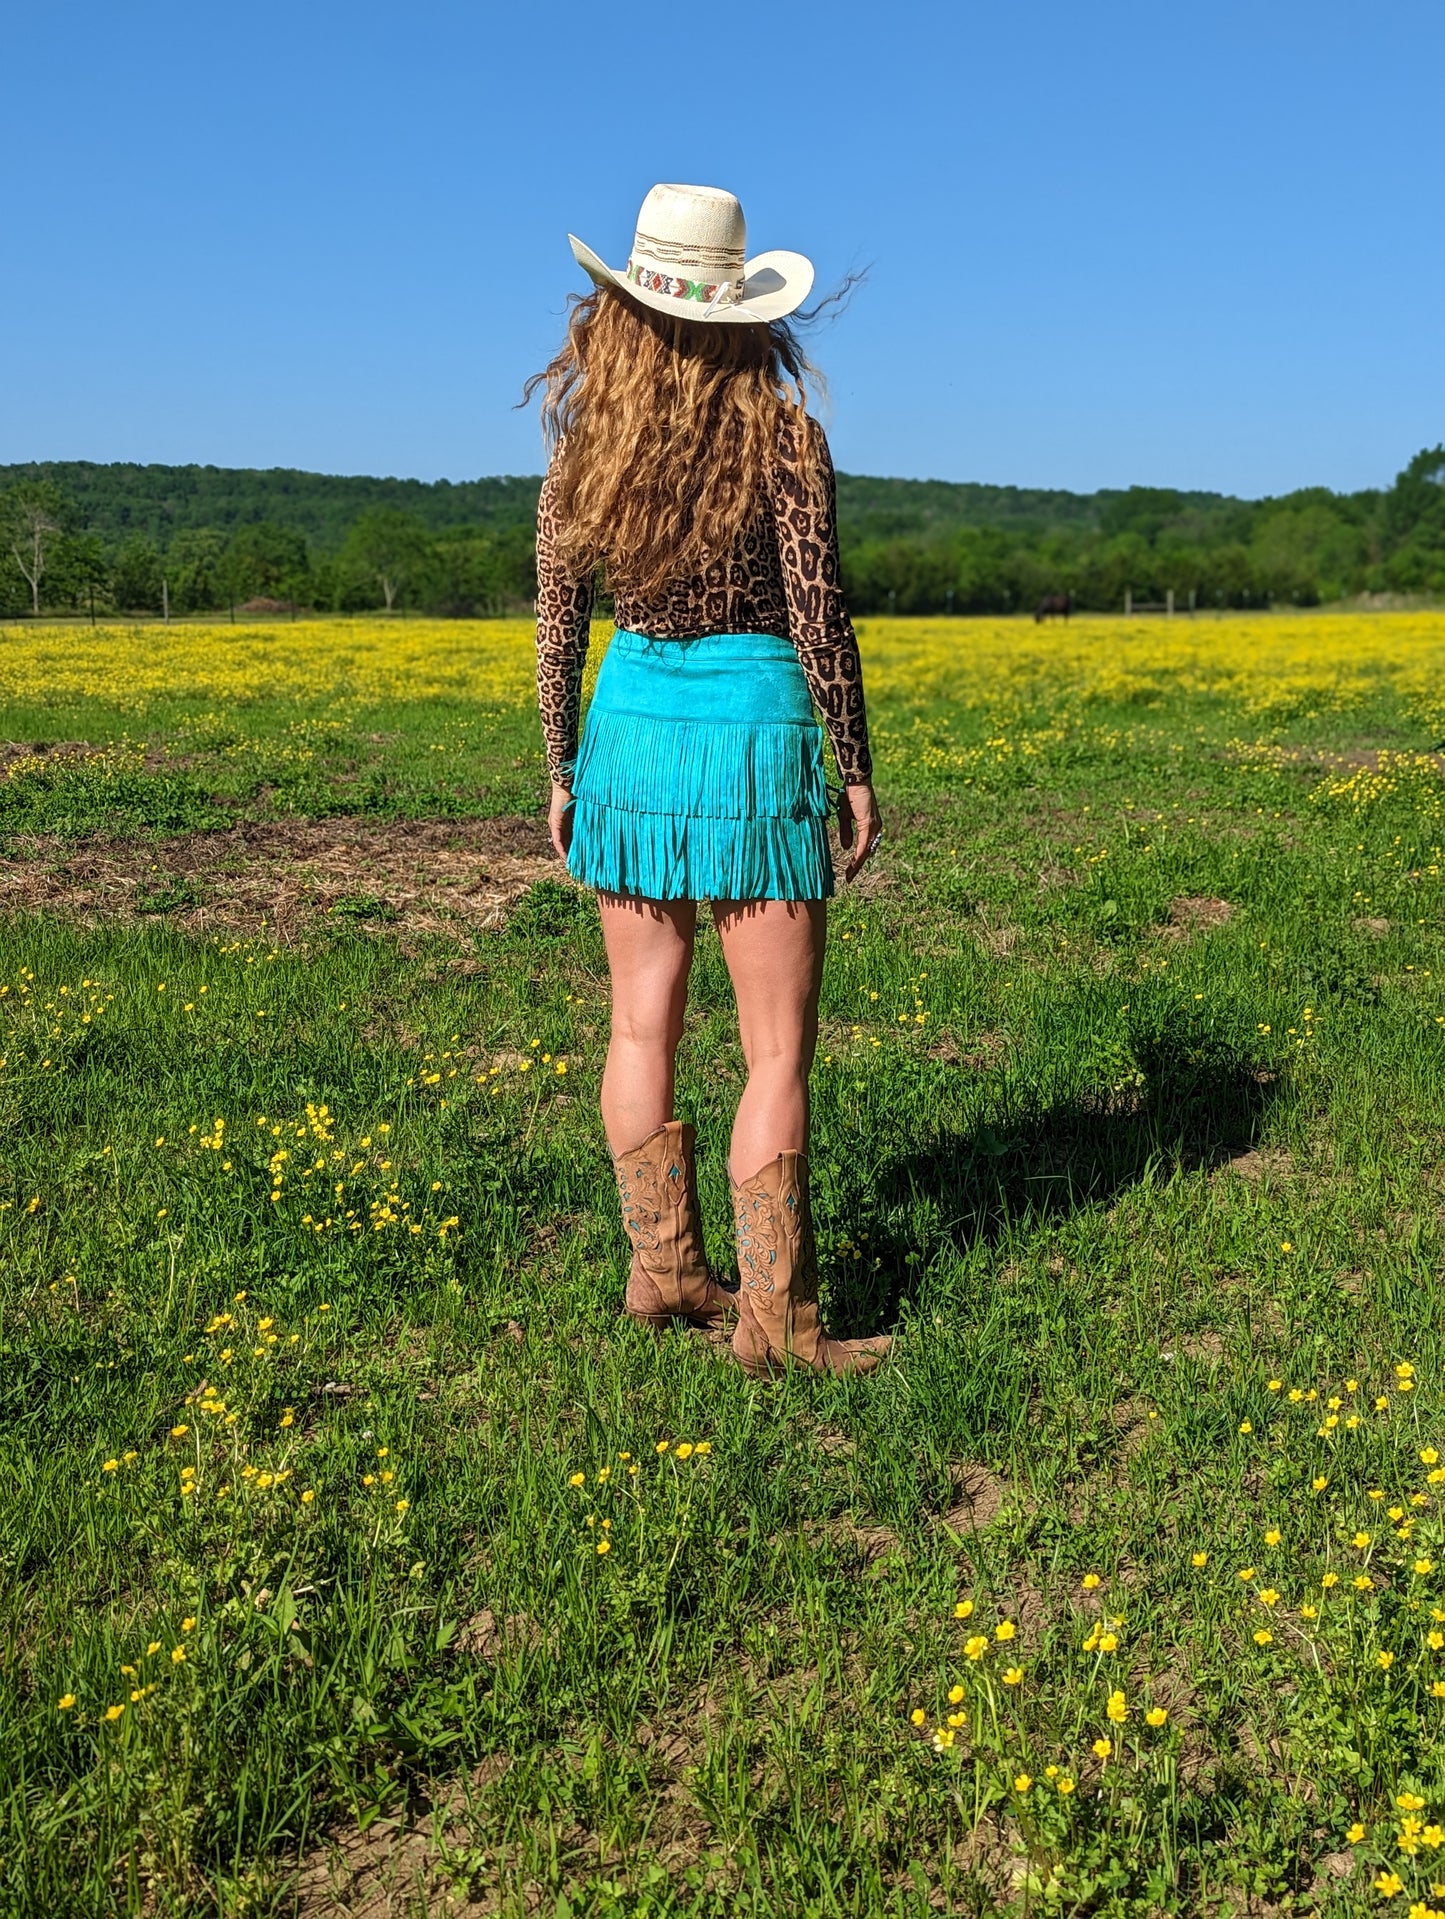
column 1175, row 244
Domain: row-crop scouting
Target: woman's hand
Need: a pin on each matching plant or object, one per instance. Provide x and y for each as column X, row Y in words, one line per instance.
column 559, row 818
column 860, row 826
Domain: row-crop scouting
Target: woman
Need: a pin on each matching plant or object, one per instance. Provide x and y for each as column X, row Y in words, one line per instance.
column 685, row 467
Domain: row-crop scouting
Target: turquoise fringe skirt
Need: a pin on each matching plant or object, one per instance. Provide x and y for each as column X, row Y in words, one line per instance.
column 700, row 773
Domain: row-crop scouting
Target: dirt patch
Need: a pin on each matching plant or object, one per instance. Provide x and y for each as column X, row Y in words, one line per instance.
column 383, row 1872
column 12, row 751
column 1256, row 1164
column 983, row 1051
column 870, row 1542
column 415, row 1863
column 1196, row 914
column 1205, row 1345
column 999, row 941
column 484, row 1636
column 1375, row 928
column 452, row 877
column 873, row 880
column 979, row 1496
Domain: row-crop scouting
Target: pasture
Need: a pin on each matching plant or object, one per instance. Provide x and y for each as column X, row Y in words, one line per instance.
column 357, row 1557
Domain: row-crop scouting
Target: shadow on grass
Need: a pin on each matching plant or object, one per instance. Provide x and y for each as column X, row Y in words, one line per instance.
column 1201, row 1101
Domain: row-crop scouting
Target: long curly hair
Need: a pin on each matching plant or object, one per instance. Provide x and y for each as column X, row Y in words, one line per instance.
column 663, row 432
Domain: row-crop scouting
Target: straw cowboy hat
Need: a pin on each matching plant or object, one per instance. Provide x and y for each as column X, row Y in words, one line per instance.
column 688, row 259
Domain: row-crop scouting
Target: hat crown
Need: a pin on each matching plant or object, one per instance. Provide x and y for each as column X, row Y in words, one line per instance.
column 692, row 229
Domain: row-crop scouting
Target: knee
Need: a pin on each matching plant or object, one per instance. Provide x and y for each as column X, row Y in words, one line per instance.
column 647, row 1029
column 775, row 1055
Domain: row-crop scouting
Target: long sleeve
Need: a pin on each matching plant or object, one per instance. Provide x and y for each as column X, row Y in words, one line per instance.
column 806, row 516
column 564, row 616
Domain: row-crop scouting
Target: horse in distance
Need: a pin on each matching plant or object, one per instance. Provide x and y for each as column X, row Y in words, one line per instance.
column 1054, row 606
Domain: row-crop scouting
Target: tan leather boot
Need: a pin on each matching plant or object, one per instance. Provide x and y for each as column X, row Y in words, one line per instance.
column 778, row 1265
column 657, row 1183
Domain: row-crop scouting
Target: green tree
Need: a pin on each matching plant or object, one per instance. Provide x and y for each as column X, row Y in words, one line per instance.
column 1413, row 524
column 79, row 573
column 390, row 547
column 1308, row 552
column 1416, row 501
column 1145, row 510
column 135, row 575
column 33, row 514
column 266, row 561
column 195, row 568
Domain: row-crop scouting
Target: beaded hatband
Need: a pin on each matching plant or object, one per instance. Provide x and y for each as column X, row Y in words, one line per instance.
column 682, row 289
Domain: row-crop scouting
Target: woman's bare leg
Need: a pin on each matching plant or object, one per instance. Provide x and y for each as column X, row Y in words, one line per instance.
column 774, row 953
column 649, row 950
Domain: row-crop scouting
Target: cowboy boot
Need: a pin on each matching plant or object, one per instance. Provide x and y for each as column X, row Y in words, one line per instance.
column 657, row 1184
column 778, row 1316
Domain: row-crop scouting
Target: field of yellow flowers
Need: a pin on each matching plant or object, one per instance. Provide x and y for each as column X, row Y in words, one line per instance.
column 358, row 1557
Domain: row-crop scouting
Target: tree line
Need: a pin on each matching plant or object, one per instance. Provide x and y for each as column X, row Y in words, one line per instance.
column 119, row 539
column 388, row 558
column 1302, row 548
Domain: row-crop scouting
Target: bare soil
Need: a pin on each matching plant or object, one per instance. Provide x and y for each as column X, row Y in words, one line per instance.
column 1196, row 914
column 450, row 877
column 1255, row 1164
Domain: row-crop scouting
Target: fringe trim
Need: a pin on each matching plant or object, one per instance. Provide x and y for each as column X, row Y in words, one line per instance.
column 661, row 856
column 748, row 771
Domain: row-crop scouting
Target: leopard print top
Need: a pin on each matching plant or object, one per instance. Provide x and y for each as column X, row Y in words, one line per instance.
column 782, row 577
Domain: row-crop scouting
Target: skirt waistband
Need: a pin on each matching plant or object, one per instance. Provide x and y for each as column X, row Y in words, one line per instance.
column 722, row 679
column 710, row 648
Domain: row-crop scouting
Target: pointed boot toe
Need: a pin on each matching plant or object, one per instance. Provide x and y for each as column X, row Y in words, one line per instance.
column 858, row 1355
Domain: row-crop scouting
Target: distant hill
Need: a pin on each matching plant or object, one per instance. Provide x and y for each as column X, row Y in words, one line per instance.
column 877, row 509
column 159, row 501
column 202, row 537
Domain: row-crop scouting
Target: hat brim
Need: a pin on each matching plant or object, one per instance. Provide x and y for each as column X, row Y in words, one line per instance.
column 775, row 284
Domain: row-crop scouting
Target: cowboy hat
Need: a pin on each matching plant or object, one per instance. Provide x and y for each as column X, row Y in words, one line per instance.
column 688, row 260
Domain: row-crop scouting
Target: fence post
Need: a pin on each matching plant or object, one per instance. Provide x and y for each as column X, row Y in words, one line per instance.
column 166, row 599
column 1128, row 602
column 1169, row 602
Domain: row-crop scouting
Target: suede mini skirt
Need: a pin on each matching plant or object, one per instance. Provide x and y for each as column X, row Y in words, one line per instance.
column 700, row 773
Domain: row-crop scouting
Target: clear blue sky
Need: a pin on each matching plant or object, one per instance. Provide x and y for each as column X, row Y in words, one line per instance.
column 1178, row 244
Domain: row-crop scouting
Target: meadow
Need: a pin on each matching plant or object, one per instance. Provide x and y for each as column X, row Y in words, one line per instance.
column 359, row 1557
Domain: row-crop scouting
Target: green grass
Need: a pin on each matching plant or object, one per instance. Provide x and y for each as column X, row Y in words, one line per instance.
column 193, row 772
column 1031, row 1184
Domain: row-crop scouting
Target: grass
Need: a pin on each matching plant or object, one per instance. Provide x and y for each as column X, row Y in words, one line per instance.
column 316, row 1406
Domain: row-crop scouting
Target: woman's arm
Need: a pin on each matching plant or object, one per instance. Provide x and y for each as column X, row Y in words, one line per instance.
column 564, row 614
column 806, row 515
